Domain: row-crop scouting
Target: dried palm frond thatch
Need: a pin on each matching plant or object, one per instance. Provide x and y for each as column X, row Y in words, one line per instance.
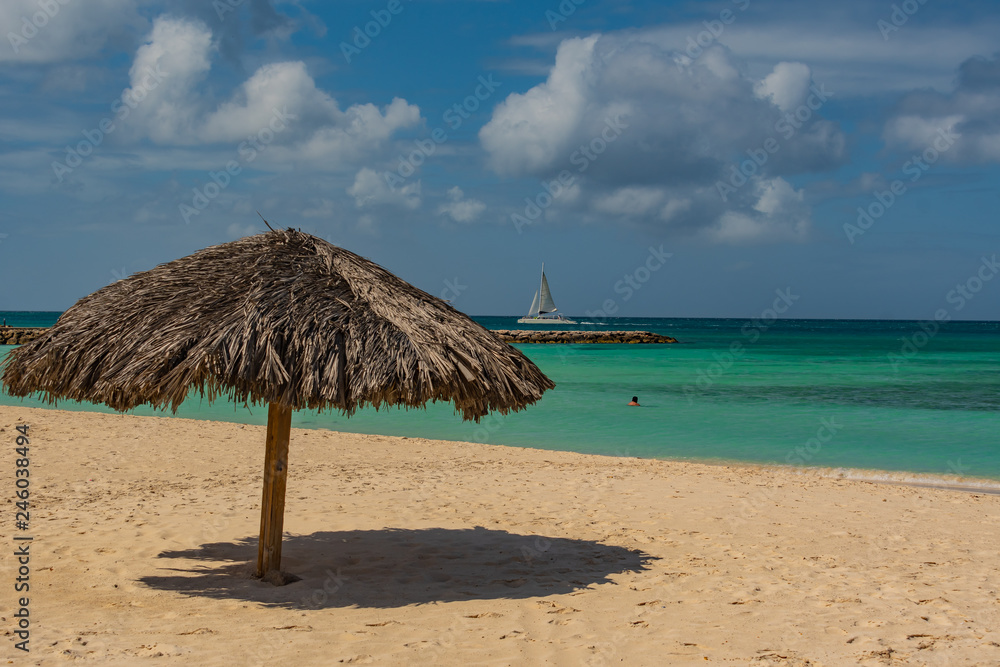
column 281, row 317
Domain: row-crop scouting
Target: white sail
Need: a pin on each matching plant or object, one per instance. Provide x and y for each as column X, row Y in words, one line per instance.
column 547, row 305
column 534, row 306
column 543, row 307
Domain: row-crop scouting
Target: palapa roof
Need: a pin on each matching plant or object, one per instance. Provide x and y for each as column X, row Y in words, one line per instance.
column 281, row 317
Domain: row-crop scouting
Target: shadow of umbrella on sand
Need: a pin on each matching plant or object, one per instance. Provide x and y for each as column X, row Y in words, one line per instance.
column 396, row 567
column 282, row 318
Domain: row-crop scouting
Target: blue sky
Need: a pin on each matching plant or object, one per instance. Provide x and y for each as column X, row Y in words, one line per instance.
column 461, row 144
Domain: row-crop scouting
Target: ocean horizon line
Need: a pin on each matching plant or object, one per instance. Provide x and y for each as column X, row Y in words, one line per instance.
column 661, row 317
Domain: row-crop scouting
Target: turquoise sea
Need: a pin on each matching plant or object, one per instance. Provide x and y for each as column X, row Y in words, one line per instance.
column 915, row 398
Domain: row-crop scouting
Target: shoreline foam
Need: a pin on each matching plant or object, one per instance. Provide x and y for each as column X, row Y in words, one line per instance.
column 874, row 475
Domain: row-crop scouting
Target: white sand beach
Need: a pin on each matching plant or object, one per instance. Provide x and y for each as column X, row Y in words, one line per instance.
column 424, row 552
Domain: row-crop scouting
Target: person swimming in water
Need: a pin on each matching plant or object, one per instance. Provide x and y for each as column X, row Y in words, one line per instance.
column 635, row 401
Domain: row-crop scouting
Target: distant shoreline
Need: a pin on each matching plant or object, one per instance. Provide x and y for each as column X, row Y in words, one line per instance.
column 876, row 476
column 20, row 335
column 606, row 320
column 595, row 337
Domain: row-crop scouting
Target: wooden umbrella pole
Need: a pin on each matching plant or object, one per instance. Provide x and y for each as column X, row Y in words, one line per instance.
column 272, row 506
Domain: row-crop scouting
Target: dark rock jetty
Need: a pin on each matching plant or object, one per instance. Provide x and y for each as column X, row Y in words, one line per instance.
column 19, row 335
column 522, row 336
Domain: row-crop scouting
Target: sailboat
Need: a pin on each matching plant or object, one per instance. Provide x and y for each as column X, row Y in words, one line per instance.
column 543, row 307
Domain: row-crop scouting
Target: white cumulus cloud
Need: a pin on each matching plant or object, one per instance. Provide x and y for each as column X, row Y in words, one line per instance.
column 962, row 125
column 630, row 200
column 541, row 122
column 778, row 214
column 53, row 31
column 369, row 190
column 647, row 132
column 280, row 102
column 166, row 68
column 787, row 85
column 459, row 208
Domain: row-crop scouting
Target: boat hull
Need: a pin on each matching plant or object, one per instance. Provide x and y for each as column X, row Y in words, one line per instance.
column 546, row 320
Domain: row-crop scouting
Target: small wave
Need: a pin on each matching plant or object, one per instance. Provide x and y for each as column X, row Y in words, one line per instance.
column 953, row 482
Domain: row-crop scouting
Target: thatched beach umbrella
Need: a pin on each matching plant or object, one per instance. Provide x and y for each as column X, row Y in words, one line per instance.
column 282, row 318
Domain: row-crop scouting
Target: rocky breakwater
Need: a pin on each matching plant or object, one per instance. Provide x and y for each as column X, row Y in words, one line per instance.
column 19, row 335
column 631, row 337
